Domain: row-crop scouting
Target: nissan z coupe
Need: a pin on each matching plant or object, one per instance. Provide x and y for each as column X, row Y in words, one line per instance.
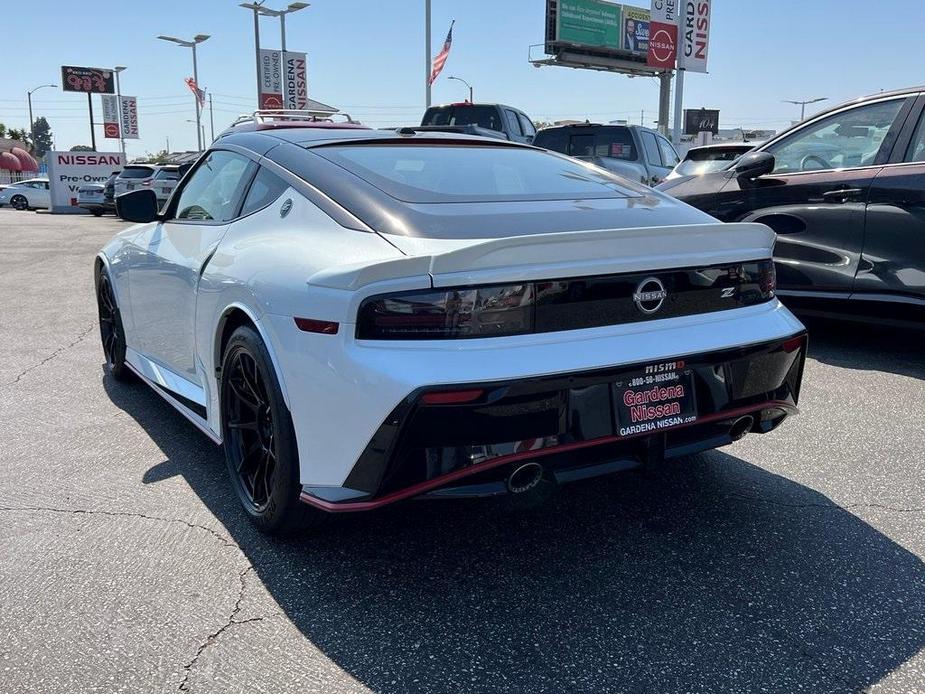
column 364, row 316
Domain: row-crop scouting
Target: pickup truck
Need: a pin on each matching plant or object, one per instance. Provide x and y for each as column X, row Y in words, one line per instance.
column 631, row 151
column 490, row 120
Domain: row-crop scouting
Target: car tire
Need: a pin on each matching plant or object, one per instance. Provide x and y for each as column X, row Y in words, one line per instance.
column 112, row 334
column 96, row 213
column 259, row 439
column 19, row 202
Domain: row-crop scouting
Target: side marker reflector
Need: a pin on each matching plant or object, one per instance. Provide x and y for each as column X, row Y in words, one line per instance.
column 451, row 397
column 310, row 325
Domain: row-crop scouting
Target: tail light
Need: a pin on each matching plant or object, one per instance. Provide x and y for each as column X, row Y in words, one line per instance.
column 448, row 314
column 767, row 277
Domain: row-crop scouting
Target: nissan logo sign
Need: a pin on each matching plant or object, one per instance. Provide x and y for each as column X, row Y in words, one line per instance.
column 650, row 294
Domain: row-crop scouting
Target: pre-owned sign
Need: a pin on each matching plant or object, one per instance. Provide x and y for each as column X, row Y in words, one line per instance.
column 110, row 116
column 694, row 35
column 271, row 79
column 68, row 171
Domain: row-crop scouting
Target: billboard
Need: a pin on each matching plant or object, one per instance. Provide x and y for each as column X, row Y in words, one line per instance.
column 129, row 117
column 593, row 23
column 700, row 120
column 87, row 79
column 694, row 35
column 110, row 116
column 67, row 171
column 635, row 30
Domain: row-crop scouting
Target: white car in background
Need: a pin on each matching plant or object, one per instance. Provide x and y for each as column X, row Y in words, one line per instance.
column 135, row 177
column 165, row 180
column 30, row 194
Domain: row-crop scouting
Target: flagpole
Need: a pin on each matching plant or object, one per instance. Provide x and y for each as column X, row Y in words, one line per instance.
column 427, row 52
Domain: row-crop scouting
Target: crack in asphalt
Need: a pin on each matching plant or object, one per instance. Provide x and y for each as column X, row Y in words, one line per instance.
column 832, row 506
column 214, row 636
column 57, row 351
column 226, row 542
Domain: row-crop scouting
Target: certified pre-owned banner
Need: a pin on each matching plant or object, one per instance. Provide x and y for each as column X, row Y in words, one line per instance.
column 271, row 79
column 694, row 35
column 110, row 116
column 663, row 34
column 129, row 118
column 283, row 80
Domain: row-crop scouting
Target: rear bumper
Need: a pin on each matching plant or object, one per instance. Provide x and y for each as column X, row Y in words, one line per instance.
column 434, row 444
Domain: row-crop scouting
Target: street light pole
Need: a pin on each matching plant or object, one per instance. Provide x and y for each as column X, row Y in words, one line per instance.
column 259, row 8
column 460, row 79
column 117, row 69
column 802, row 104
column 197, row 39
column 255, row 7
column 32, row 122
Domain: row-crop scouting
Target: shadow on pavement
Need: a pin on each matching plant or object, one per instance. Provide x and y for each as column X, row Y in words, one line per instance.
column 712, row 574
column 867, row 347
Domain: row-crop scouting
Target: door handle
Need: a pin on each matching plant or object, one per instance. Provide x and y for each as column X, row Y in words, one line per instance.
column 840, row 194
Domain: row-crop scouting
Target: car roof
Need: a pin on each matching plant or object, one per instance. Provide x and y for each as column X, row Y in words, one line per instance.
column 316, row 137
column 565, row 126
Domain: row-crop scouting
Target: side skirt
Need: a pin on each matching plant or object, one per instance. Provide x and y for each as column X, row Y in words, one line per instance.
column 185, row 406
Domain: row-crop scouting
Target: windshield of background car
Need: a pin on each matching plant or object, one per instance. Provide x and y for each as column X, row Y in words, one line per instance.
column 167, row 175
column 468, row 173
column 845, row 139
column 136, row 172
column 704, row 161
column 481, row 116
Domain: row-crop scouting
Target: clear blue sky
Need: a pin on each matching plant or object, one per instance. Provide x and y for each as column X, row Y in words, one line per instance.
column 365, row 56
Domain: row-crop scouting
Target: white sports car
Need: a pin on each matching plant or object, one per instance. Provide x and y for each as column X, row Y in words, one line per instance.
column 363, row 316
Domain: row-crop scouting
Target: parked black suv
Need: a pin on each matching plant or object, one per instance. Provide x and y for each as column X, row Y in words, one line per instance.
column 845, row 192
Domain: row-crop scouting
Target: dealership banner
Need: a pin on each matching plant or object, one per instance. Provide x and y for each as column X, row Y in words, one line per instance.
column 296, row 80
column 110, row 116
column 129, row 117
column 68, row 171
column 663, row 34
column 87, row 79
column 694, row 35
column 271, row 79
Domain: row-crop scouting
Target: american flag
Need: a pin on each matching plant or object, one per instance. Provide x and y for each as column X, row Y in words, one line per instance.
column 200, row 93
column 440, row 58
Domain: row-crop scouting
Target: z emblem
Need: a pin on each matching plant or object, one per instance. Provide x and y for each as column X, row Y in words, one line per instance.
column 728, row 293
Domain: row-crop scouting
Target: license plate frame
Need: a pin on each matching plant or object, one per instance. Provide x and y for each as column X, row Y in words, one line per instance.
column 653, row 398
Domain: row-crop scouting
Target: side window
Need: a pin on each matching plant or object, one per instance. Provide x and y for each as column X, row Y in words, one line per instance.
column 650, row 144
column 842, row 140
column 916, row 151
column 669, row 156
column 215, row 188
column 513, row 123
column 264, row 190
column 526, row 125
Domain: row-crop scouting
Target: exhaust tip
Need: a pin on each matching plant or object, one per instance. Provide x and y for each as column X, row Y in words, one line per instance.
column 525, row 478
column 741, row 427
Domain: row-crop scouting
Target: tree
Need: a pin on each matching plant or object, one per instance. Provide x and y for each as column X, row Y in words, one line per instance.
column 43, row 137
column 156, row 158
column 20, row 134
column 2, row 130
column 81, row 148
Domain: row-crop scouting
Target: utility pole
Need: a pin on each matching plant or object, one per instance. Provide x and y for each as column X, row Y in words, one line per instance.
column 427, row 53
column 664, row 100
column 211, row 118
column 802, row 104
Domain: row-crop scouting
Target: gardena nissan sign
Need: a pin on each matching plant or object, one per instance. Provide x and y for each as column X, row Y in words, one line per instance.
column 68, row 171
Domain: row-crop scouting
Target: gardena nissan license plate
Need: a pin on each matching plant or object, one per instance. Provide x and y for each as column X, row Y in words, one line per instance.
column 660, row 396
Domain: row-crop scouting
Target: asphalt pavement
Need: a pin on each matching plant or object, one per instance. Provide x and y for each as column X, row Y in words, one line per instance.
column 791, row 562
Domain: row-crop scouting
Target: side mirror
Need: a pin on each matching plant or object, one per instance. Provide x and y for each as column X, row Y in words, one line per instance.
column 751, row 165
column 137, row 206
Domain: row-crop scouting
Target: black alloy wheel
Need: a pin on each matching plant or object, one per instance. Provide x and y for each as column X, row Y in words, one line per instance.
column 111, row 333
column 259, row 439
column 19, row 202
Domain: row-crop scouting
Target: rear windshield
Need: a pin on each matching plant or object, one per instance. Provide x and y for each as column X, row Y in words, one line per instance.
column 482, row 116
column 467, row 173
column 167, row 174
column 605, row 143
column 136, row 172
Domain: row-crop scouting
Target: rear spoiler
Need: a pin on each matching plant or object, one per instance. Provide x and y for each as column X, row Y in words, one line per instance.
column 575, row 254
